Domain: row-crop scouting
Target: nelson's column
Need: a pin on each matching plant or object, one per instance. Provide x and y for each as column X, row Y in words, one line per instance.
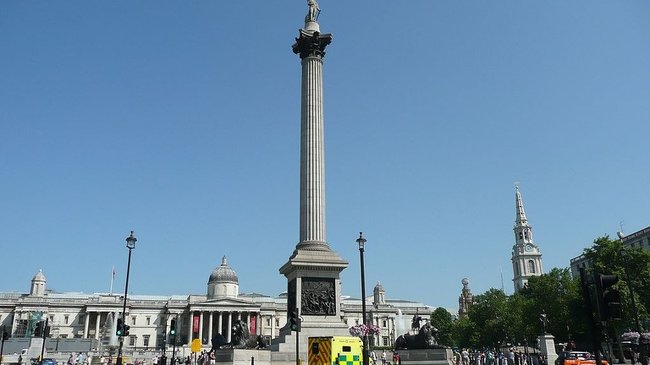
column 313, row 269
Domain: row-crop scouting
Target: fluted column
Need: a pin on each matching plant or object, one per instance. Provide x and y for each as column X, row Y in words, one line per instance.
column 99, row 317
column 201, row 326
column 221, row 322
column 190, row 328
column 310, row 45
column 87, row 320
column 210, row 327
column 312, row 183
column 229, row 330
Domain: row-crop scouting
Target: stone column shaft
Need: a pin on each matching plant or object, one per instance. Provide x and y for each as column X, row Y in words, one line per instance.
column 201, row 326
column 210, row 327
column 99, row 317
column 221, row 322
column 229, row 330
column 87, row 318
column 189, row 328
column 312, row 174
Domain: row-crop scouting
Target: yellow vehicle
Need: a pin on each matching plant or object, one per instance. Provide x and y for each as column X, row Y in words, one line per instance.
column 335, row 350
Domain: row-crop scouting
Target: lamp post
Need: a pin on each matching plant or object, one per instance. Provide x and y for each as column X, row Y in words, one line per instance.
column 637, row 324
column 362, row 242
column 130, row 244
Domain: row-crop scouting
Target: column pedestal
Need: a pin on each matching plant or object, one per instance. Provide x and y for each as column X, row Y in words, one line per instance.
column 547, row 347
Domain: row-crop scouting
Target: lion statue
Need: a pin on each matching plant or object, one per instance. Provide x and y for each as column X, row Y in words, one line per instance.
column 240, row 338
column 424, row 339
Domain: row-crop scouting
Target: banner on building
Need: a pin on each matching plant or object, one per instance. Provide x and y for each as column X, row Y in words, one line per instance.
column 253, row 325
column 195, row 324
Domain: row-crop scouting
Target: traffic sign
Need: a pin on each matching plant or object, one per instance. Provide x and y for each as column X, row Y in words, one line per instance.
column 196, row 345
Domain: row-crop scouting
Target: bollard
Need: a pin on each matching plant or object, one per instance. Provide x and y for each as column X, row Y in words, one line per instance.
column 252, row 360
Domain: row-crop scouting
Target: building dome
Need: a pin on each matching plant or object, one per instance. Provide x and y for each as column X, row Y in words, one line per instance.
column 39, row 276
column 379, row 296
column 38, row 284
column 223, row 282
column 223, row 274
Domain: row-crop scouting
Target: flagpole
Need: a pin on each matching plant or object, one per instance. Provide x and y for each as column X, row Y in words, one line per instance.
column 112, row 279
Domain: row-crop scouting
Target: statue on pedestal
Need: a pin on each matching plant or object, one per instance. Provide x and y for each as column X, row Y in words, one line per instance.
column 314, row 11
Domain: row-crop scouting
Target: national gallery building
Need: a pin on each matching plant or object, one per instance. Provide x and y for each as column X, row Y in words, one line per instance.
column 93, row 316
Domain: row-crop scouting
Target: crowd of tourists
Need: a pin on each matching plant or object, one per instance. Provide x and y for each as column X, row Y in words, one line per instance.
column 497, row 357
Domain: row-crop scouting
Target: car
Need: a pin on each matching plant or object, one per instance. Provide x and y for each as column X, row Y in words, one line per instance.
column 578, row 358
column 48, row 361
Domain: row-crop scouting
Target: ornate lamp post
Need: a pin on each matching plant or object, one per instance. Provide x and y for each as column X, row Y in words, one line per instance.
column 130, row 244
column 362, row 242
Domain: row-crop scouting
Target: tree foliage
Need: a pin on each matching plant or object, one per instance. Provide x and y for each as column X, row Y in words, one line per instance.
column 498, row 319
column 443, row 321
column 632, row 266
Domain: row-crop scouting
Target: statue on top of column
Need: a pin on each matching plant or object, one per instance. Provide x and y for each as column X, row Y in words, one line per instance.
column 314, row 11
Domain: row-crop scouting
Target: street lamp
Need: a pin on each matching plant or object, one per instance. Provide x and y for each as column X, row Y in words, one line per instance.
column 130, row 244
column 362, row 242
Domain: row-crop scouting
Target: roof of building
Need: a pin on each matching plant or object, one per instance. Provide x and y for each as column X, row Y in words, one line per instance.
column 223, row 274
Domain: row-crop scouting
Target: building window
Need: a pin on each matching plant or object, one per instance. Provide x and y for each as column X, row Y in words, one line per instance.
column 132, row 320
column 277, row 322
column 148, row 321
column 383, row 324
column 66, row 318
column 145, row 340
column 521, row 235
column 52, row 319
column 82, row 319
column 268, row 321
column 531, row 266
column 132, row 340
column 384, row 340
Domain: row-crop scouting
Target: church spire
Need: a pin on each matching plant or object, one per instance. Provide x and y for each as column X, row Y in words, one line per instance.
column 526, row 256
column 520, row 220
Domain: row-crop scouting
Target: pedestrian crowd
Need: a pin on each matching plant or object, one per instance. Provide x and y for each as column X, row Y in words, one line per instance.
column 496, row 357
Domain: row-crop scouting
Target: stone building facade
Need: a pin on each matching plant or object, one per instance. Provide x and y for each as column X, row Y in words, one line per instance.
column 78, row 315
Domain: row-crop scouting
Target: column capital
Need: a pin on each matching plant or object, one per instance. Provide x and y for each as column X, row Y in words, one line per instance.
column 311, row 44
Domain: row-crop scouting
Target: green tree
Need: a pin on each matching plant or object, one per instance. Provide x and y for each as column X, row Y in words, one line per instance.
column 442, row 320
column 554, row 294
column 609, row 256
column 490, row 316
column 464, row 333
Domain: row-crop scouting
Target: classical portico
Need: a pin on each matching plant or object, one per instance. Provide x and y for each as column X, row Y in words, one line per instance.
column 204, row 321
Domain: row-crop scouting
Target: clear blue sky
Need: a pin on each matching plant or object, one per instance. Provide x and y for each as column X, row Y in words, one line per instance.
column 180, row 120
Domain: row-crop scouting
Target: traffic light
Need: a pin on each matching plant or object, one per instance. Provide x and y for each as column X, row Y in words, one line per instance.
column 119, row 331
column 38, row 330
column 172, row 329
column 126, row 330
column 609, row 298
column 294, row 320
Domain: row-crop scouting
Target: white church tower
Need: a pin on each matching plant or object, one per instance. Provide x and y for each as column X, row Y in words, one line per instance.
column 526, row 256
